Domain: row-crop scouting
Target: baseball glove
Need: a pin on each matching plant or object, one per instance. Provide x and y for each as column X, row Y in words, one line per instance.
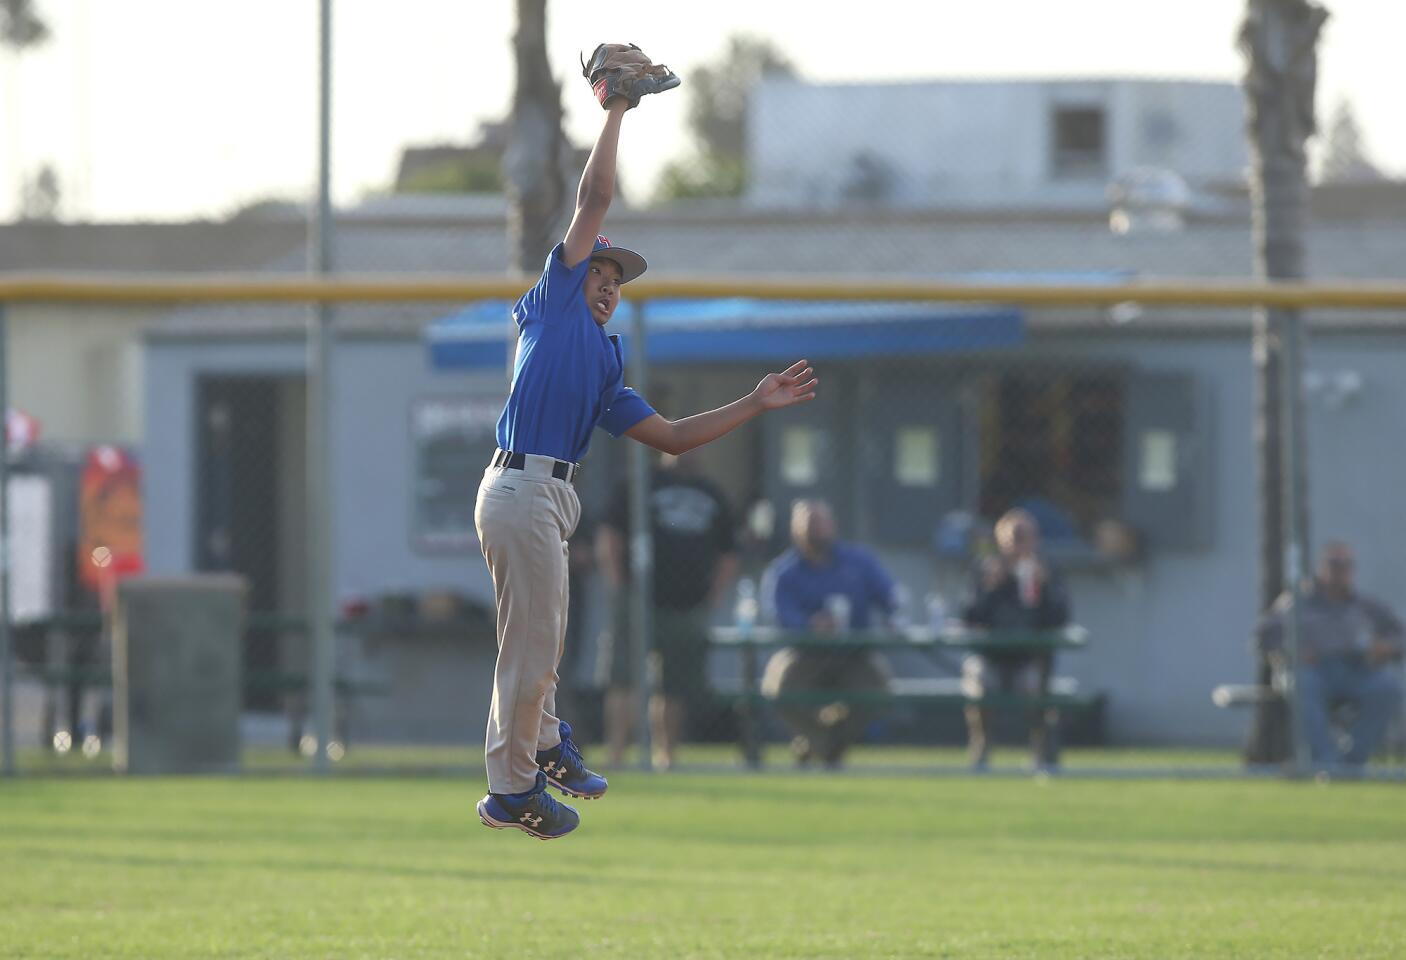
column 623, row 70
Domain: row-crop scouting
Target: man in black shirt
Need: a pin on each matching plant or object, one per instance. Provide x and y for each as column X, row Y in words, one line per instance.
column 694, row 561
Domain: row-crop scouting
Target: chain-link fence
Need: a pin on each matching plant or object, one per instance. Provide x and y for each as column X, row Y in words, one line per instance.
column 1007, row 532
column 1046, row 544
column 1000, row 535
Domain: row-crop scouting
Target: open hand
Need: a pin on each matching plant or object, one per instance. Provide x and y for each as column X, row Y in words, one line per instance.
column 795, row 384
column 993, row 573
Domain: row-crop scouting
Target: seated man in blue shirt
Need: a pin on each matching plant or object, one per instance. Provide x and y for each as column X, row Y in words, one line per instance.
column 825, row 586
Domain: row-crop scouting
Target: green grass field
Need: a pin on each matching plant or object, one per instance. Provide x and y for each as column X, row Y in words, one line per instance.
column 708, row 757
column 704, row 865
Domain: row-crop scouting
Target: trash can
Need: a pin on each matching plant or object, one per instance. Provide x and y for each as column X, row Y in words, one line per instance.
column 176, row 673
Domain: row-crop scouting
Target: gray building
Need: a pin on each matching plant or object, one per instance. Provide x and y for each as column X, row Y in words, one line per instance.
column 1139, row 419
column 984, row 144
column 78, row 368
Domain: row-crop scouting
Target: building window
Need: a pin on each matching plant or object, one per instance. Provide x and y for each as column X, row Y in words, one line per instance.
column 917, row 457
column 1157, row 460
column 1160, row 132
column 452, row 440
column 1080, row 142
column 1053, row 443
column 800, row 456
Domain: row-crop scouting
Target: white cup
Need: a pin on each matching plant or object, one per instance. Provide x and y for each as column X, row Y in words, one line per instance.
column 1025, row 579
column 837, row 605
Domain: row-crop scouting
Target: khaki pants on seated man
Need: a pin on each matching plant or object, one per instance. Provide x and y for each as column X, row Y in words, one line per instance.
column 824, row 730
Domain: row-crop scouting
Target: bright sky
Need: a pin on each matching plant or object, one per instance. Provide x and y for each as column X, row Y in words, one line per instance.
column 169, row 109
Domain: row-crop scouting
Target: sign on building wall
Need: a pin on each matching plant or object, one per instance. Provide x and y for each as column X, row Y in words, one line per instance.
column 109, row 519
column 452, row 440
column 31, row 538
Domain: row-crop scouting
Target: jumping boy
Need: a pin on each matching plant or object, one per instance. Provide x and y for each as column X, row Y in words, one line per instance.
column 566, row 382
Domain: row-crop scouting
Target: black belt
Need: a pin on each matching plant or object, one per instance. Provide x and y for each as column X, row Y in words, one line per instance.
column 561, row 469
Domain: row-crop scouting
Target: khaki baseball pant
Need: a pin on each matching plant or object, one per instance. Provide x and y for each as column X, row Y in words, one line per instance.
column 524, row 518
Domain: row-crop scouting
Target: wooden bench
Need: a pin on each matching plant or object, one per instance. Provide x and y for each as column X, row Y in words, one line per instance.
column 749, row 700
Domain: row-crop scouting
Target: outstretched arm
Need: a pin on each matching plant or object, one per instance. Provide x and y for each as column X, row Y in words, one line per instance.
column 597, row 188
column 793, row 385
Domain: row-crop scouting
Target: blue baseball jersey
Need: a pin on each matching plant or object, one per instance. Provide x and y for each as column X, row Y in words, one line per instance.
column 569, row 374
column 794, row 590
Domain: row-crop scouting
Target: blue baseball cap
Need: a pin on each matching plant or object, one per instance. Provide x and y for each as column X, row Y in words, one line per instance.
column 631, row 264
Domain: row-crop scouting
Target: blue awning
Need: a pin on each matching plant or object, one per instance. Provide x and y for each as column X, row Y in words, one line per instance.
column 704, row 331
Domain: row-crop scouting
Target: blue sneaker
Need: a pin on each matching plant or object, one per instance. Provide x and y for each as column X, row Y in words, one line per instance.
column 567, row 771
column 534, row 812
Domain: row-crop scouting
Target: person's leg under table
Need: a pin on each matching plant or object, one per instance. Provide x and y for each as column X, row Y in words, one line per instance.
column 795, row 671
column 613, row 672
column 681, row 648
column 1044, row 722
column 868, row 672
column 977, row 676
column 1316, row 685
column 1378, row 695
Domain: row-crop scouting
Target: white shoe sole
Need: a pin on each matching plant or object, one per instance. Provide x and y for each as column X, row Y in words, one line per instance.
column 572, row 793
column 490, row 822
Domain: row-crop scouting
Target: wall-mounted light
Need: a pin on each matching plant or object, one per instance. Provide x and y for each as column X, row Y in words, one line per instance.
column 1335, row 389
column 1124, row 313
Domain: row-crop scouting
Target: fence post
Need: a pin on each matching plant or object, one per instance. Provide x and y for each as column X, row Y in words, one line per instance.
column 1293, row 518
column 319, row 399
column 641, row 547
column 7, row 686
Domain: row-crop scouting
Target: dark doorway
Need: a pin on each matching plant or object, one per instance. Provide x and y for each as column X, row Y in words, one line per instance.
column 240, row 524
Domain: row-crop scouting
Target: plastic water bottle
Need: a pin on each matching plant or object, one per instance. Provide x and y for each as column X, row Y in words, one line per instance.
column 838, row 606
column 747, row 608
column 937, row 611
column 901, row 601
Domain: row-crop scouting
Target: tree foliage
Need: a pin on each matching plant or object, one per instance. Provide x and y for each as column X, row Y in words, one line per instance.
column 1345, row 156
column 718, row 96
column 710, row 177
column 20, row 25
column 41, row 195
column 472, row 172
column 1279, row 40
column 532, row 161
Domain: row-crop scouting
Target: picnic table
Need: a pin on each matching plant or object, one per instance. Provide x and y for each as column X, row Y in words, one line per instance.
column 953, row 636
column 70, row 656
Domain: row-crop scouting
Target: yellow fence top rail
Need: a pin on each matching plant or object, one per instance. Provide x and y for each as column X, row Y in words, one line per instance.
column 127, row 289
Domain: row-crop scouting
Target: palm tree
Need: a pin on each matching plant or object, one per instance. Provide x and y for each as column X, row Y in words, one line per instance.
column 20, row 26
column 532, row 162
column 1345, row 157
column 1279, row 39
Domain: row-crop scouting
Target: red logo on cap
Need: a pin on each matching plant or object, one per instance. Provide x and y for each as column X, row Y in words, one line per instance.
column 602, row 239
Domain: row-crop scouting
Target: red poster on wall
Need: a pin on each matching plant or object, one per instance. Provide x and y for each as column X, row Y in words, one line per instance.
column 109, row 519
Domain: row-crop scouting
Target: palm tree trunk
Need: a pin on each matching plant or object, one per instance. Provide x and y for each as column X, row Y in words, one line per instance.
column 532, row 162
column 1279, row 39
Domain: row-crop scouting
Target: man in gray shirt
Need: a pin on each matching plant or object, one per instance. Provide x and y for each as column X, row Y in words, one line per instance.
column 1348, row 644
